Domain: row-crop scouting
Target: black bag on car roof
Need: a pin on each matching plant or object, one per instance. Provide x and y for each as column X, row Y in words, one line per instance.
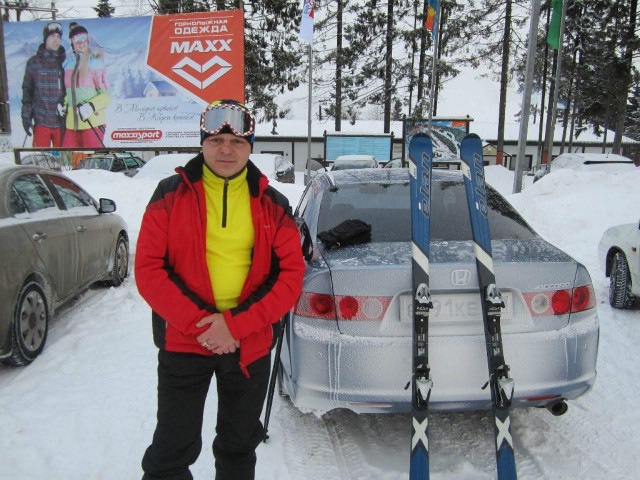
column 349, row 232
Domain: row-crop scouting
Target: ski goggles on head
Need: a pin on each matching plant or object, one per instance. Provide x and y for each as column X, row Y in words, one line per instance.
column 236, row 117
column 53, row 27
column 79, row 38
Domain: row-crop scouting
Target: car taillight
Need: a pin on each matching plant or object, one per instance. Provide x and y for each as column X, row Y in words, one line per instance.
column 583, row 298
column 320, row 305
column 561, row 302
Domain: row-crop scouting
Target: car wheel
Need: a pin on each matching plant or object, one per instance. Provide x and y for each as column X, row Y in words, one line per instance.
column 30, row 325
column 620, row 282
column 120, row 267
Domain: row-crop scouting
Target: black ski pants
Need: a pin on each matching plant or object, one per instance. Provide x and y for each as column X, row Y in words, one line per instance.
column 183, row 384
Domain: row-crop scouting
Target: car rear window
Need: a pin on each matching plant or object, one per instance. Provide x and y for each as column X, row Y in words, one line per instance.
column 386, row 208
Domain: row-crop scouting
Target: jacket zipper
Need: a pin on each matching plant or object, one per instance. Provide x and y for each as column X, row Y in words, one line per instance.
column 224, row 203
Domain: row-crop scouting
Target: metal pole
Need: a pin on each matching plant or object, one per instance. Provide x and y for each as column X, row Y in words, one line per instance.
column 434, row 67
column 526, row 95
column 309, row 106
column 274, row 375
column 556, row 89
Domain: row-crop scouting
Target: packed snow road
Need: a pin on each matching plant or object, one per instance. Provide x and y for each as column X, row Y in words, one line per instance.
column 86, row 408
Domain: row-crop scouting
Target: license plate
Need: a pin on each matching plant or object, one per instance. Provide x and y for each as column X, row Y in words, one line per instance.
column 454, row 307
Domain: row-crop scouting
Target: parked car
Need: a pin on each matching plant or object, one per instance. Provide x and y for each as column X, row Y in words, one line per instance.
column 540, row 172
column 606, row 162
column 348, row 162
column 537, row 172
column 395, row 163
column 619, row 256
column 42, row 159
column 274, row 166
column 56, row 241
column 127, row 164
column 348, row 343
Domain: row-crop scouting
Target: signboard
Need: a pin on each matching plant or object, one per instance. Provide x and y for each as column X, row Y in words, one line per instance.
column 446, row 136
column 147, row 78
column 378, row 145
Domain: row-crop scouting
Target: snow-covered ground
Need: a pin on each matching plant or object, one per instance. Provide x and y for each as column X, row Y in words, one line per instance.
column 85, row 409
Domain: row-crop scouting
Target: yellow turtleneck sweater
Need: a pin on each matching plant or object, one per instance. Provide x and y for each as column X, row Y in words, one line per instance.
column 230, row 235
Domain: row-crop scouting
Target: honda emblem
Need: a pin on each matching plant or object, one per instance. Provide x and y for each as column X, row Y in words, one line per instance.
column 461, row 277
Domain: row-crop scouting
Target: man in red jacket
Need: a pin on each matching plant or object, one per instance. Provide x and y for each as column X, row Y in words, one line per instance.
column 219, row 261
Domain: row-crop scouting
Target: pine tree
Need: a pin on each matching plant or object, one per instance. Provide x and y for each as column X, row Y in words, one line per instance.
column 104, row 9
column 632, row 123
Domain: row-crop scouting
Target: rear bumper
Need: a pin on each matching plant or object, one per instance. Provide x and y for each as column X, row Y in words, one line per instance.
column 369, row 374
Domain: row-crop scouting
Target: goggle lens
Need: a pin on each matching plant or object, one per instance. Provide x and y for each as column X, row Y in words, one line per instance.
column 239, row 120
column 54, row 28
column 81, row 37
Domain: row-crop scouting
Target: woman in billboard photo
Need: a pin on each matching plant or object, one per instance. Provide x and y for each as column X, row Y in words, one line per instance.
column 87, row 87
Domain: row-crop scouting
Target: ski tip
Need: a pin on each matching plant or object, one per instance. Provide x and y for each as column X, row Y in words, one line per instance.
column 420, row 136
column 471, row 136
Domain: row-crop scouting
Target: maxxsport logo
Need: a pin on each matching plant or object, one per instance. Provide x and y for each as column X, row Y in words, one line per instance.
column 136, row 135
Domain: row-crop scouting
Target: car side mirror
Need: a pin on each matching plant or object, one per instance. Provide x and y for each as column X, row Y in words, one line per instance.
column 305, row 236
column 107, row 206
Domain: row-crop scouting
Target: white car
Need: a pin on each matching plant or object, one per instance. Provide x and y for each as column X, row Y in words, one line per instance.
column 347, row 162
column 162, row 166
column 619, row 254
column 601, row 162
column 274, row 166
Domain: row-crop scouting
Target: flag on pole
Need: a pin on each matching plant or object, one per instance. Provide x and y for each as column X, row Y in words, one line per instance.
column 306, row 23
column 432, row 17
column 553, row 36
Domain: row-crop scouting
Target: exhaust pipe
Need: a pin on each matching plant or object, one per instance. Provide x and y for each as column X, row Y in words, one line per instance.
column 557, row 408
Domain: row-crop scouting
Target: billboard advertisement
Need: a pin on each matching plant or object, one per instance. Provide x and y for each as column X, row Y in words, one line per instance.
column 379, row 146
column 121, row 82
column 446, row 136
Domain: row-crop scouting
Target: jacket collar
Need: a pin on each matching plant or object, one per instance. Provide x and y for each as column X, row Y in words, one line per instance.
column 192, row 173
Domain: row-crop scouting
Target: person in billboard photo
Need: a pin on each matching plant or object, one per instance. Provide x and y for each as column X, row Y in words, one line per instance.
column 219, row 261
column 85, row 79
column 43, row 90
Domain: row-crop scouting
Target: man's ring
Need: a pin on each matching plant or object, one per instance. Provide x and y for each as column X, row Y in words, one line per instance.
column 205, row 344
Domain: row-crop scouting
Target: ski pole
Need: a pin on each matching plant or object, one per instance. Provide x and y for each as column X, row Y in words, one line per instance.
column 96, row 133
column 274, row 375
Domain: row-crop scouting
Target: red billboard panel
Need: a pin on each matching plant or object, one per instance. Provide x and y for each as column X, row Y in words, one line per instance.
column 202, row 53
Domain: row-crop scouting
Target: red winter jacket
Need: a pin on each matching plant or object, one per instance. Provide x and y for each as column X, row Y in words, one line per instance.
column 171, row 270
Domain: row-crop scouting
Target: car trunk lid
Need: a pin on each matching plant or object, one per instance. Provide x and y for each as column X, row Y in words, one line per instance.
column 372, row 287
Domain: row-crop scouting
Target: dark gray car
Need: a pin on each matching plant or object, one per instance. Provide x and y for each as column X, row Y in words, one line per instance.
column 127, row 164
column 349, row 342
column 56, row 242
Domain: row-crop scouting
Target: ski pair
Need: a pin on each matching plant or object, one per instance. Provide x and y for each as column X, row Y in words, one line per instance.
column 420, row 168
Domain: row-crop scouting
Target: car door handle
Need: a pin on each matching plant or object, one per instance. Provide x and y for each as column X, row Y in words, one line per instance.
column 81, row 229
column 39, row 236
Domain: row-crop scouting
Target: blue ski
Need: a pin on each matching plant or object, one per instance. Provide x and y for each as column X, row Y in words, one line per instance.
column 420, row 158
column 499, row 382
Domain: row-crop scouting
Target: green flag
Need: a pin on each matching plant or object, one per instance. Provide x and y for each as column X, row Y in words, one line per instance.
column 553, row 37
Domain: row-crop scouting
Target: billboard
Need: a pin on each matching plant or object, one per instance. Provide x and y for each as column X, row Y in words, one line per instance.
column 354, row 144
column 446, row 136
column 121, row 82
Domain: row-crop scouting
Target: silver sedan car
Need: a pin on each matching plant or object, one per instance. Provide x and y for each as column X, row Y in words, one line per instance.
column 56, row 242
column 348, row 343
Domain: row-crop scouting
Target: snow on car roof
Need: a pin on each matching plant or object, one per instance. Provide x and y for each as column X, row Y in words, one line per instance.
column 609, row 162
